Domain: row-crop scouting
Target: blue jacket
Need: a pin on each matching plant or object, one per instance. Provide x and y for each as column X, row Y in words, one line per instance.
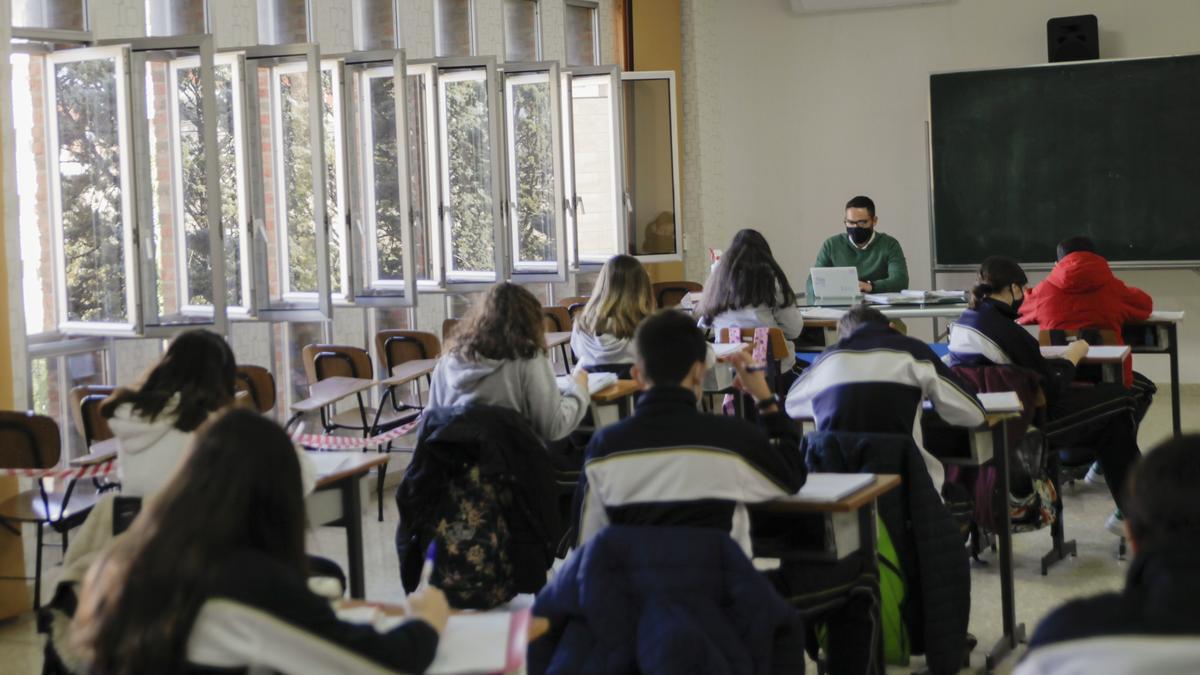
column 664, row 600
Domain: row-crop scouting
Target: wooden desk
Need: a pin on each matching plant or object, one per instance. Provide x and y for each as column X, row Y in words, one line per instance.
column 1111, row 359
column 613, row 403
column 337, row 502
column 326, row 393
column 883, row 484
column 409, row 371
column 1160, row 335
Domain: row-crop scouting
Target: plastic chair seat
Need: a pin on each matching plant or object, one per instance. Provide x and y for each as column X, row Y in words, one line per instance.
column 28, row 507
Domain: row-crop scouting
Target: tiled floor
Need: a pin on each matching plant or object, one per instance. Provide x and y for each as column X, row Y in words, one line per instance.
column 1094, row 570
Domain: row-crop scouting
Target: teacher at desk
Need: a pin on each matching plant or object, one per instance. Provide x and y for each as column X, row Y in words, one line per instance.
column 877, row 256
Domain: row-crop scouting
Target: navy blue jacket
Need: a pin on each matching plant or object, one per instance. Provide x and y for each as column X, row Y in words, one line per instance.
column 664, row 600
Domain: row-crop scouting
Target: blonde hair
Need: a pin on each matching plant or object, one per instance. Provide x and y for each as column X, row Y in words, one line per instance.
column 621, row 299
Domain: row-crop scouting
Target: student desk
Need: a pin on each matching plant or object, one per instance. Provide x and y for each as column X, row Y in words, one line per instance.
column 1110, row 359
column 826, row 318
column 337, row 502
column 326, row 393
column 613, row 403
column 1159, row 335
column 563, row 342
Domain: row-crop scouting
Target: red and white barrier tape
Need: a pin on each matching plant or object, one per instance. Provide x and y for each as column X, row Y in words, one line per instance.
column 89, row 471
column 325, row 442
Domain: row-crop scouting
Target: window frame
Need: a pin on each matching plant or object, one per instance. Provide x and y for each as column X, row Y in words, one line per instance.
column 472, row 16
column 131, row 253
column 268, row 23
column 594, row 7
column 366, row 288
column 532, row 272
column 56, row 36
column 152, row 323
column 299, row 307
column 169, row 20
column 431, row 176
column 340, row 220
column 630, row 225
column 538, row 35
column 575, row 202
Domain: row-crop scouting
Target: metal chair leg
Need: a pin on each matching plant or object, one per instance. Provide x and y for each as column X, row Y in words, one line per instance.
column 37, row 572
column 379, row 490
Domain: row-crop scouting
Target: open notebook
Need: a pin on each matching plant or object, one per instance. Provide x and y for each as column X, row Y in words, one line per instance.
column 473, row 642
column 823, row 488
column 596, row 382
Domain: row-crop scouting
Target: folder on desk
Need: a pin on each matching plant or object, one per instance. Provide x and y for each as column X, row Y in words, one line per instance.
column 1000, row 402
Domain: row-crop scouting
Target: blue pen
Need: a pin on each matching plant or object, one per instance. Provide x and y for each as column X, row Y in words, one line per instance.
column 427, row 568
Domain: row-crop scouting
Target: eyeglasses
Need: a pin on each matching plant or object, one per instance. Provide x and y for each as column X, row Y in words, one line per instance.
column 857, row 223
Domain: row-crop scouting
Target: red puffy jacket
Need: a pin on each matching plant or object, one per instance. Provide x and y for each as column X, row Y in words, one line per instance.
column 1081, row 292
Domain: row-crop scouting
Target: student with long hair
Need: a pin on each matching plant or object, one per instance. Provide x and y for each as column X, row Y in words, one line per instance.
column 225, row 537
column 154, row 422
column 1099, row 416
column 748, row 289
column 497, row 356
column 602, row 338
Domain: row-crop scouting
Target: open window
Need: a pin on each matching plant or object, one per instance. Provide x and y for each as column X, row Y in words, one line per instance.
column 377, row 138
column 290, row 242
column 581, row 21
column 652, row 166
column 534, row 172
column 594, row 165
column 522, row 30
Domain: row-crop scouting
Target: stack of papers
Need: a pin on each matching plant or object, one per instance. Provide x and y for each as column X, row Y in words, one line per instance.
column 821, row 313
column 596, row 382
column 915, row 297
column 823, row 488
column 724, row 349
column 475, row 642
column 1000, row 402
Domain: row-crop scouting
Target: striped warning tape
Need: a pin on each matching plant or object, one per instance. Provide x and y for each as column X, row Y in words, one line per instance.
column 89, row 471
column 325, row 442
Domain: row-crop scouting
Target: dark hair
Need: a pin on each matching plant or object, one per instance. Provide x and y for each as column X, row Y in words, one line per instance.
column 1075, row 245
column 746, row 276
column 505, row 325
column 239, row 489
column 860, row 315
column 996, row 273
column 861, row 202
column 668, row 344
column 199, row 366
column 1160, row 494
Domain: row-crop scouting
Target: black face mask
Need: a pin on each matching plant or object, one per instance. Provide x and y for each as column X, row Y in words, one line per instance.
column 859, row 235
column 1017, row 302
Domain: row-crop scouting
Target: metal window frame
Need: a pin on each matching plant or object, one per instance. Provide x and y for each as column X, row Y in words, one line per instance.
column 367, row 288
column 152, row 323
column 620, row 213
column 132, row 325
column 521, row 271
column 538, row 49
column 431, row 176
column 630, row 226
column 57, row 35
column 594, row 7
column 296, row 309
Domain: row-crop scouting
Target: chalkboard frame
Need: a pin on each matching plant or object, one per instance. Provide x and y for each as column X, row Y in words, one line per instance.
column 937, row 267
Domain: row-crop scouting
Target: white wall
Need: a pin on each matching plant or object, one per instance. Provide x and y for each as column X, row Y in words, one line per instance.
column 816, row 109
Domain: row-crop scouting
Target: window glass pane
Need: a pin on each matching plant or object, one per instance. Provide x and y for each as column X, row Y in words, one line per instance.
column 89, row 166
column 175, row 17
column 282, row 22
column 522, row 37
column 295, row 168
column 335, row 198
column 649, row 161
column 594, row 130
column 51, row 383
column 376, row 25
column 531, row 168
column 582, row 39
column 60, row 14
column 395, row 318
column 418, row 172
column 386, row 218
column 174, row 240
column 290, row 340
column 585, row 282
column 33, row 192
column 454, row 19
column 467, row 174
column 460, row 303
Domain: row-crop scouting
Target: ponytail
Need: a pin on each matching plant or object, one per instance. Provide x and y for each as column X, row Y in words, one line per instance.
column 996, row 273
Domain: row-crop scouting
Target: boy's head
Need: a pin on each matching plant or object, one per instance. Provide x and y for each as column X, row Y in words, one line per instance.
column 1075, row 245
column 1160, row 504
column 859, row 316
column 671, row 351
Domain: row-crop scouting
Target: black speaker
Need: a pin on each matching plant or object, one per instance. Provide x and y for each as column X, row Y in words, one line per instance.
column 1073, row 38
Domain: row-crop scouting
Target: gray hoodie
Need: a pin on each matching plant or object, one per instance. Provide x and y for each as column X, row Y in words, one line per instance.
column 601, row 350
column 527, row 386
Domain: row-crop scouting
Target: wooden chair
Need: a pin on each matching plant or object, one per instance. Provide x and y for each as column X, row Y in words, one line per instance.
column 777, row 351
column 670, row 293
column 556, row 319
column 395, row 347
column 85, row 410
column 573, row 300
column 259, row 384
column 29, row 441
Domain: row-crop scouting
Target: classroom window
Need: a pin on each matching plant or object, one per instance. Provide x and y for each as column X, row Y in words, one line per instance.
column 532, row 121
column 583, row 33
column 50, row 14
column 282, row 22
column 176, row 17
column 652, row 165
column 376, row 24
column 470, row 208
column 596, row 191
column 290, row 339
column 522, row 30
column 421, row 159
column 454, row 26
column 50, row 383
column 336, row 202
column 33, row 189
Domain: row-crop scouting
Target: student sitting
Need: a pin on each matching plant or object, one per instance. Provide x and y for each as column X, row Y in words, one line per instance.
column 497, row 356
column 154, row 423
column 750, row 290
column 1081, row 292
column 602, row 338
column 1162, row 589
column 1098, row 416
column 875, row 380
column 670, row 464
column 212, row 575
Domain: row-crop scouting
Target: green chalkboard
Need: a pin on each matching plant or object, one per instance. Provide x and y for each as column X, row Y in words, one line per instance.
column 1025, row 157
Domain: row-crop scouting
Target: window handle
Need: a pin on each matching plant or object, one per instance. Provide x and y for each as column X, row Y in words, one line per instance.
column 579, row 207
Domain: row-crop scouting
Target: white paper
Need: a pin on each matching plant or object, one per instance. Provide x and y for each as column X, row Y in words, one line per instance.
column 473, row 643
column 596, row 382
column 1000, row 401
column 894, row 298
column 325, row 463
column 818, row 313
column 723, row 349
column 824, row 488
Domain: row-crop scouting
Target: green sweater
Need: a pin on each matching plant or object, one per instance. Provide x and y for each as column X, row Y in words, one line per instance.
column 882, row 263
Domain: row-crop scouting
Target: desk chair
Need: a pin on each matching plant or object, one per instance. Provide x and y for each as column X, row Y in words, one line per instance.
column 396, row 347
column 29, row 441
column 323, row 361
column 558, row 320
column 670, row 293
column 259, row 384
column 777, row 350
column 572, row 301
column 85, row 411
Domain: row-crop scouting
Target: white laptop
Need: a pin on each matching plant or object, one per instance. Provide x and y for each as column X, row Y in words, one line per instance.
column 834, row 285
